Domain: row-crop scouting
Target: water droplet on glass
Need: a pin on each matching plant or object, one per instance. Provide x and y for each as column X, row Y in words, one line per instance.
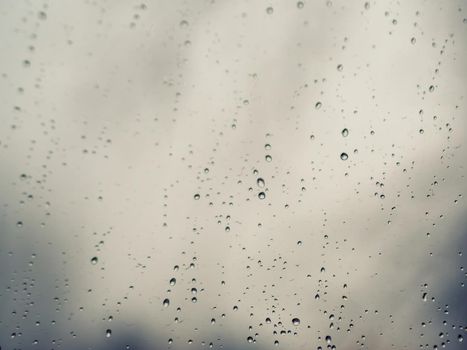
column 108, row 333
column 260, row 182
column 269, row 10
column 196, row 196
column 261, row 195
column 345, row 132
column 344, row 156
column 249, row 339
column 94, row 260
column 268, row 158
column 295, row 321
column 173, row 281
column 318, row 105
column 166, row 302
column 300, row 4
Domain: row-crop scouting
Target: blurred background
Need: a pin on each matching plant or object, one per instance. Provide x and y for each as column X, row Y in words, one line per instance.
column 233, row 174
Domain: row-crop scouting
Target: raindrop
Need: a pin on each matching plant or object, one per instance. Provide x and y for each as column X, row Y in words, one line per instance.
column 196, row 196
column 261, row 195
column 166, row 302
column 173, row 281
column 344, row 156
column 268, row 158
column 108, row 333
column 318, row 105
column 345, row 132
column 94, row 260
column 295, row 321
column 260, row 182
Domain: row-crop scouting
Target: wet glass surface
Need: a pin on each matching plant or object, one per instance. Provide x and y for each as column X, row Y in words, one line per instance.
column 233, row 174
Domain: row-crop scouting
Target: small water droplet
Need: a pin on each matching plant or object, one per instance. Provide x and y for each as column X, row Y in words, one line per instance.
column 166, row 302
column 268, row 158
column 295, row 321
column 94, row 260
column 249, row 339
column 196, row 196
column 318, row 105
column 261, row 195
column 172, row 281
column 260, row 182
column 344, row 156
column 345, row 132
column 108, row 333
column 269, row 10
column 300, row 4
